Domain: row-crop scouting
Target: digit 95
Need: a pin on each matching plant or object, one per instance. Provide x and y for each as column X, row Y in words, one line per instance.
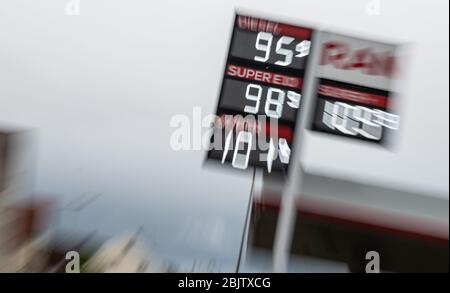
column 264, row 42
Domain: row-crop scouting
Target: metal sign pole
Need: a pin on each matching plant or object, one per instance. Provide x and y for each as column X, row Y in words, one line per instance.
column 246, row 224
column 286, row 220
column 292, row 188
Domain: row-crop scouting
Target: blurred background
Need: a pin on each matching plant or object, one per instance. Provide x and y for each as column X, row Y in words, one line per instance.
column 87, row 93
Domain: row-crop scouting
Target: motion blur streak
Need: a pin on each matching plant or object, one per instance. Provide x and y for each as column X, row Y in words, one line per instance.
column 90, row 91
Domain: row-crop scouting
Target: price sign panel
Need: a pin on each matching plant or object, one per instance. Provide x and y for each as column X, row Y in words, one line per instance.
column 352, row 94
column 261, row 94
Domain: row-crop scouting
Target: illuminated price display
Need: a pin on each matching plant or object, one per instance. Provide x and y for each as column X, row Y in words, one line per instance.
column 353, row 111
column 261, row 94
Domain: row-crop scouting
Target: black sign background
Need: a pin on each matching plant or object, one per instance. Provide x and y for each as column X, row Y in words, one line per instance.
column 232, row 100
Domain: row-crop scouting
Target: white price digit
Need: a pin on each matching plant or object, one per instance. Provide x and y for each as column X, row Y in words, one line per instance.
column 285, row 52
column 368, row 129
column 265, row 37
column 328, row 116
column 227, row 145
column 256, row 98
column 240, row 161
column 388, row 120
column 294, row 99
column 341, row 121
column 278, row 102
column 270, row 155
column 303, row 48
column 284, row 151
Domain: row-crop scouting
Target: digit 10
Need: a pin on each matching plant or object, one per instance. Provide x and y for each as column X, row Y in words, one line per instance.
column 240, row 160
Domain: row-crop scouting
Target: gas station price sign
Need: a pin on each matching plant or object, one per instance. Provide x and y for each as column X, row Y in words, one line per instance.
column 353, row 97
column 260, row 95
